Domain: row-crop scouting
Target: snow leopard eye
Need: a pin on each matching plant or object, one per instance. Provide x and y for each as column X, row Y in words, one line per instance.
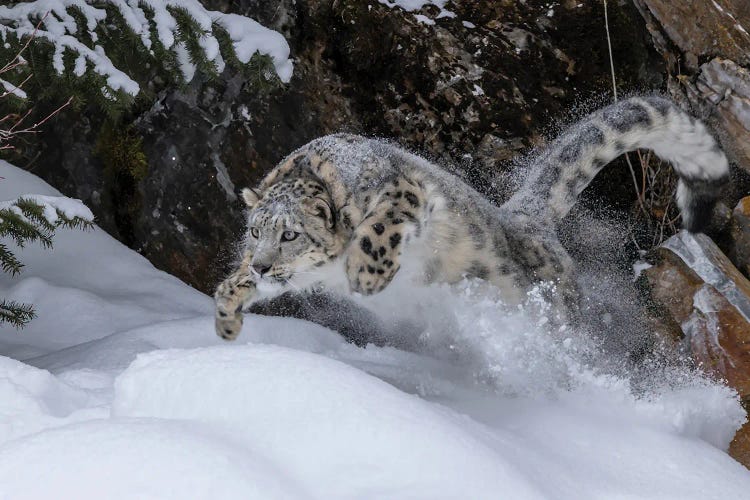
column 289, row 235
column 254, row 231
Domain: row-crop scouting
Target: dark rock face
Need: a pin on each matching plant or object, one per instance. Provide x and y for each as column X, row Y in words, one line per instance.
column 203, row 145
column 483, row 85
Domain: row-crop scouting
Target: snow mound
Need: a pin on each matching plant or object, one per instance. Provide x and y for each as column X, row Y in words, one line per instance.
column 136, row 459
column 121, row 389
column 87, row 287
column 345, row 433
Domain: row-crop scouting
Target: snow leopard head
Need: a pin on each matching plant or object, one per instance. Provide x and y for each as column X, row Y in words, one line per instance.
column 291, row 228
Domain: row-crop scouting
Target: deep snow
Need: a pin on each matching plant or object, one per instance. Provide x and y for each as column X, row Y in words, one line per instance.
column 120, row 389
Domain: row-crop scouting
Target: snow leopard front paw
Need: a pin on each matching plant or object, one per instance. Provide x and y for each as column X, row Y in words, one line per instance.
column 230, row 296
column 228, row 328
column 370, row 267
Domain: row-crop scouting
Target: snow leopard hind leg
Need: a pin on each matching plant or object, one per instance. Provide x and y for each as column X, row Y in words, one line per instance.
column 540, row 258
column 230, row 296
column 373, row 256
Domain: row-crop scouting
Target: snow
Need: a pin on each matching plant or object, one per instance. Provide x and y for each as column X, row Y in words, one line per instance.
column 59, row 27
column 640, row 266
column 424, row 19
column 249, row 37
column 11, row 89
column 120, row 389
column 416, row 5
column 53, row 206
column 187, row 68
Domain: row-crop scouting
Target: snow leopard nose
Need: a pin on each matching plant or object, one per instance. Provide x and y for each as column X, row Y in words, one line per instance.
column 261, row 269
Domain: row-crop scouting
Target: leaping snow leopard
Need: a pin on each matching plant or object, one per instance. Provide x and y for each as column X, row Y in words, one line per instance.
column 368, row 208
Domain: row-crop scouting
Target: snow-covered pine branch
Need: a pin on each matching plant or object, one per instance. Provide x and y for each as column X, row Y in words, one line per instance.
column 33, row 218
column 181, row 35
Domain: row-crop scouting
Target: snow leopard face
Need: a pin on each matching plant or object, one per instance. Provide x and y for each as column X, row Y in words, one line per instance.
column 290, row 229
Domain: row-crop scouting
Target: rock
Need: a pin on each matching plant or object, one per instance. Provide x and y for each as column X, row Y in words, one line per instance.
column 705, row 29
column 707, row 49
column 739, row 229
column 722, row 92
column 710, row 300
column 474, row 90
column 700, row 290
column 739, row 448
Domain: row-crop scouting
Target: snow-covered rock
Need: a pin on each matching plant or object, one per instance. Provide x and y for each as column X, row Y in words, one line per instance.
column 703, row 293
column 120, row 389
column 710, row 300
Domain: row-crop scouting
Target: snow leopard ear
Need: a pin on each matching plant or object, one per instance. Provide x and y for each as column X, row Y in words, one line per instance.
column 250, row 197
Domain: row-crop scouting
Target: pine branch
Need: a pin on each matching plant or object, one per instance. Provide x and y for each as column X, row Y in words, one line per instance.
column 26, row 220
column 33, row 219
column 15, row 313
column 8, row 262
column 112, row 51
column 18, row 227
column 73, row 223
column 35, row 213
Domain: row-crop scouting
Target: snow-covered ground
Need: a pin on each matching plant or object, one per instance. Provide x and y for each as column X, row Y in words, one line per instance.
column 120, row 389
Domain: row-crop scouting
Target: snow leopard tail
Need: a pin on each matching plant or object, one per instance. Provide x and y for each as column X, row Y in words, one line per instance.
column 572, row 161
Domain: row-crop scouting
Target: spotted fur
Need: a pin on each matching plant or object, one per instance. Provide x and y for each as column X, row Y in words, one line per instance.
column 363, row 205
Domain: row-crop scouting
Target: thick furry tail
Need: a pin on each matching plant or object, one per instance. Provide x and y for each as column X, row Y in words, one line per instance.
column 572, row 161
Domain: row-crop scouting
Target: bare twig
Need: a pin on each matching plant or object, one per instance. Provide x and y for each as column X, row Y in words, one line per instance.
column 654, row 193
column 16, row 120
column 17, row 59
column 6, row 135
column 609, row 47
column 614, row 93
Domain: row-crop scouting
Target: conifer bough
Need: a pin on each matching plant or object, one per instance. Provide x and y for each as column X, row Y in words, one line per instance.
column 33, row 219
column 187, row 34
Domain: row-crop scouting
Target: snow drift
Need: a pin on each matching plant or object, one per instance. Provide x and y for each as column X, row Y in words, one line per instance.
column 120, row 389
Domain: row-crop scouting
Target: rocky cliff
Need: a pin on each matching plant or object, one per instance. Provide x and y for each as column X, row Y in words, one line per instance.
column 473, row 88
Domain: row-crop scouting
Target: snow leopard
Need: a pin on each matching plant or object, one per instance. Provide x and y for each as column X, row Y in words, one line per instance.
column 356, row 210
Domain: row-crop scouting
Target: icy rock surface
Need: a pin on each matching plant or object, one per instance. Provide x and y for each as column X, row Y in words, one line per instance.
column 709, row 299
